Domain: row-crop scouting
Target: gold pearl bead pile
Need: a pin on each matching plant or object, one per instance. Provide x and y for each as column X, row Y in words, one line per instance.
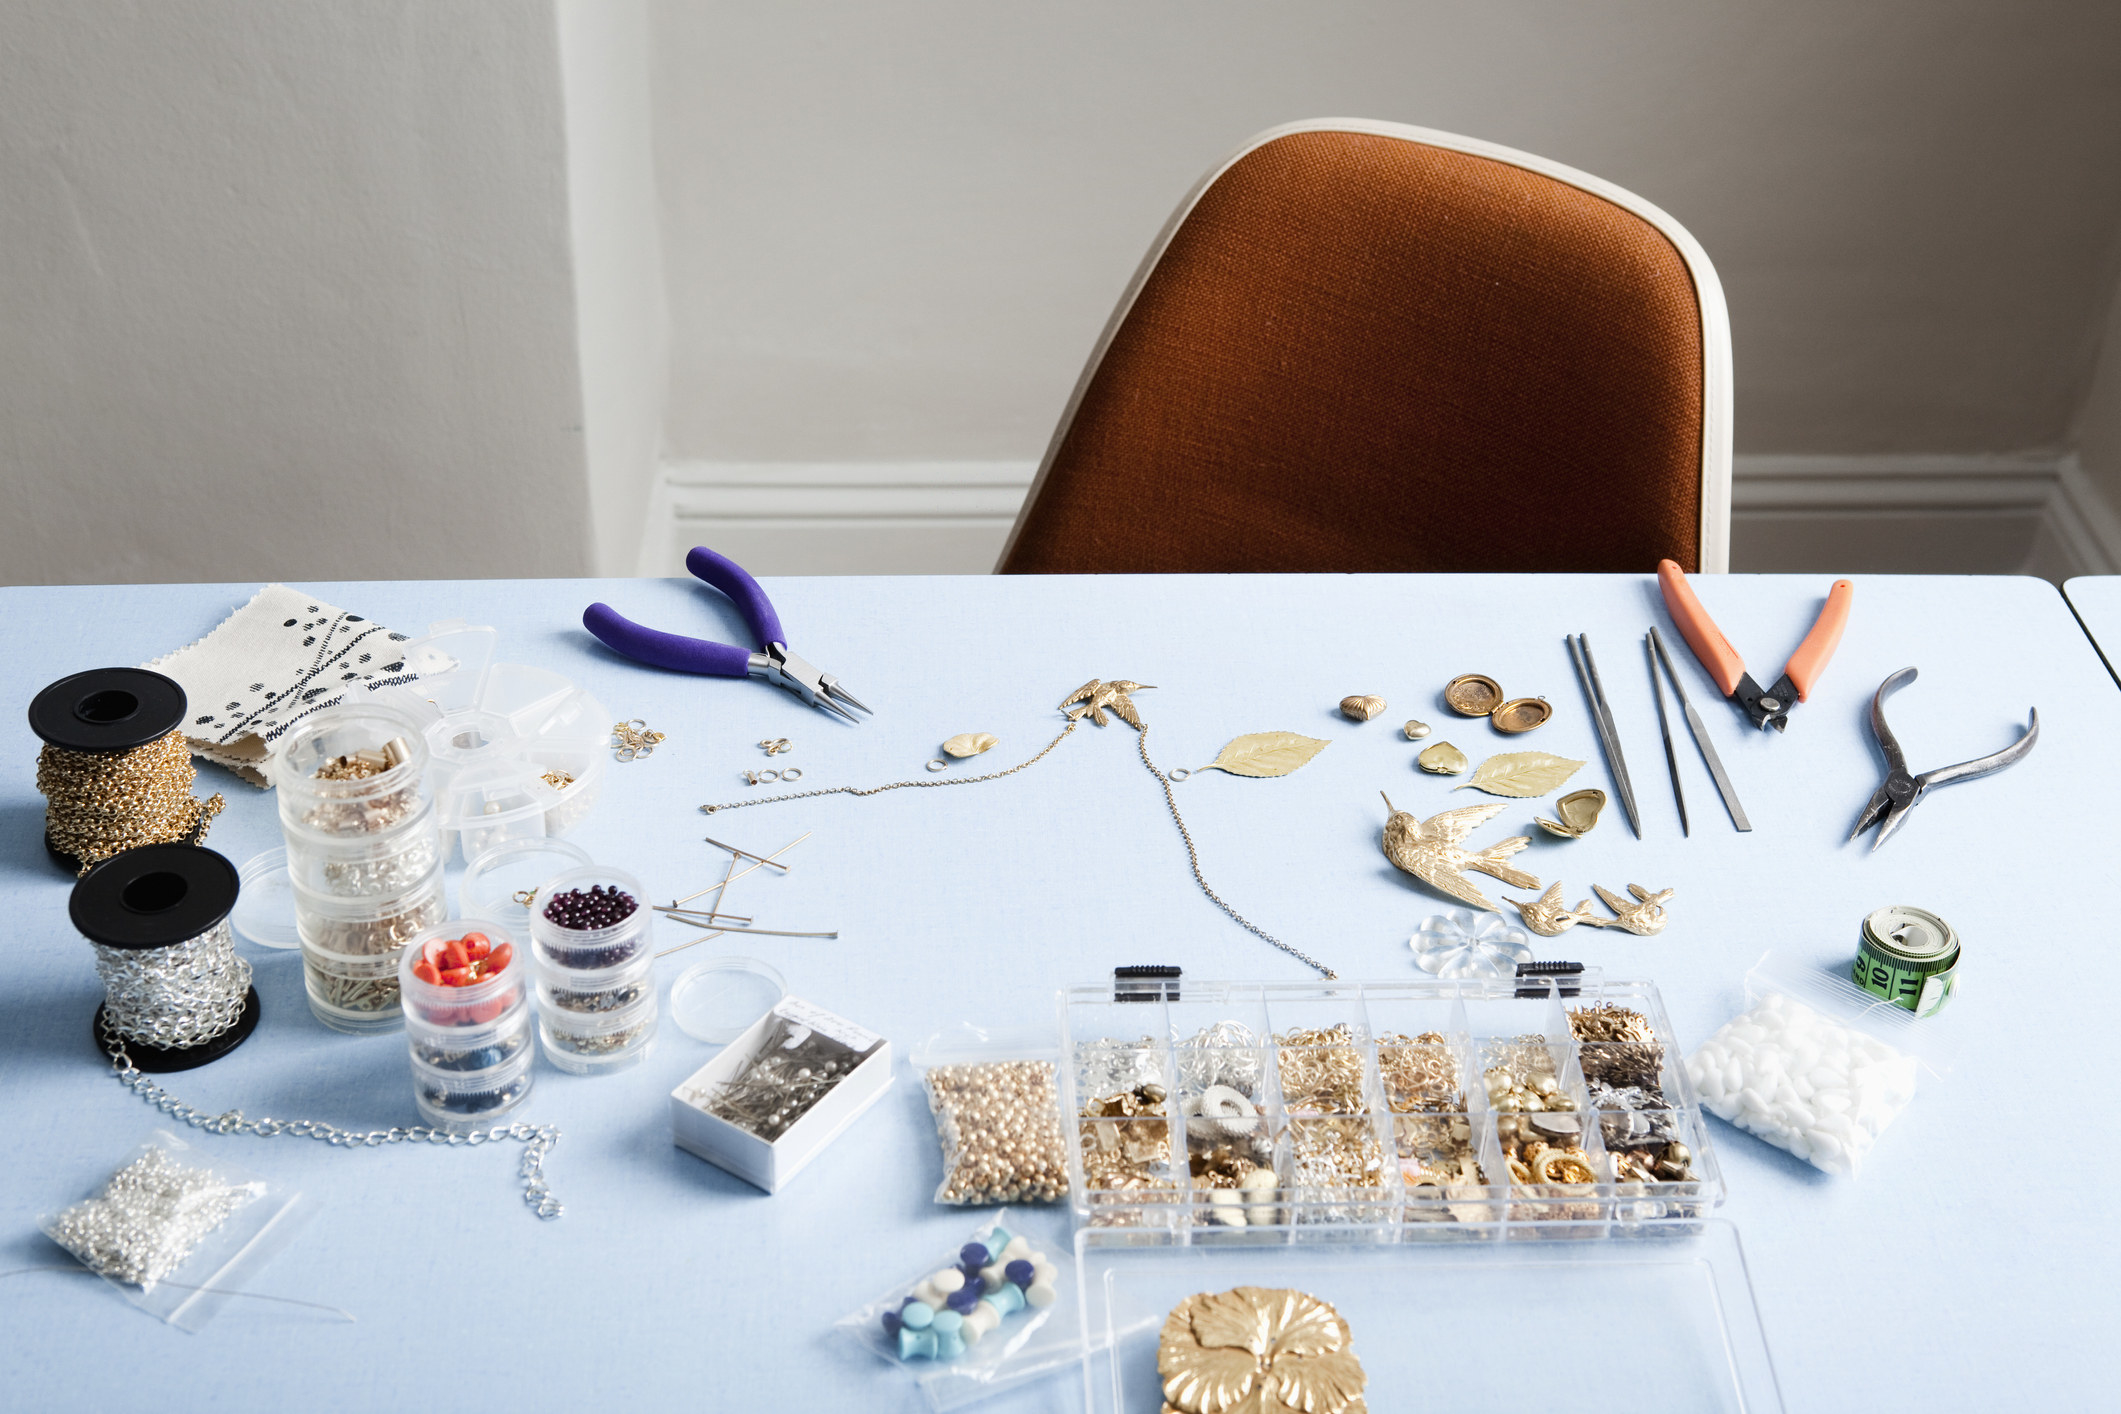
column 999, row 1122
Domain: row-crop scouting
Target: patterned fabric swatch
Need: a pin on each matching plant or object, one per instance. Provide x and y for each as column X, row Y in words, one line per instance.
column 281, row 657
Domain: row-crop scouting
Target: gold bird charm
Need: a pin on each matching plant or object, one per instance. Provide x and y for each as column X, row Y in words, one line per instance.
column 1093, row 697
column 1429, row 850
column 1645, row 917
column 1549, row 917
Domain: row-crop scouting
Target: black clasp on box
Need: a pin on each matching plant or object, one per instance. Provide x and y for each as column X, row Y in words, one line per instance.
column 1146, row 982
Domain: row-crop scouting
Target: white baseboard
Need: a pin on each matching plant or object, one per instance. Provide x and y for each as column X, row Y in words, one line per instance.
column 2036, row 514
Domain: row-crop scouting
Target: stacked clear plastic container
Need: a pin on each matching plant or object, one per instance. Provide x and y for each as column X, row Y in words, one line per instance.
column 596, row 987
column 365, row 856
column 1391, row 1144
column 471, row 1046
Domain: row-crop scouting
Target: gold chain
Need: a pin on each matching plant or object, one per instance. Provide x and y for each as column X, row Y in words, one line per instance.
column 102, row 803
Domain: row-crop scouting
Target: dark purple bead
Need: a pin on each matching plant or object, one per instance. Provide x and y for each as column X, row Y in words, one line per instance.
column 965, row 1297
column 1021, row 1272
column 974, row 1255
column 891, row 1323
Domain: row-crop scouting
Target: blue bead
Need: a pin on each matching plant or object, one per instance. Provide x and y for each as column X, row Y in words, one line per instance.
column 913, row 1344
column 948, row 1323
column 1007, row 1298
column 1021, row 1272
column 962, row 1299
column 891, row 1323
column 949, row 1347
column 974, row 1254
column 996, row 1241
column 917, row 1316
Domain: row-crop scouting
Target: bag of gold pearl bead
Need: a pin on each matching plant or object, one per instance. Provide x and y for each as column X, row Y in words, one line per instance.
column 997, row 1115
column 1236, row 1111
column 176, row 1231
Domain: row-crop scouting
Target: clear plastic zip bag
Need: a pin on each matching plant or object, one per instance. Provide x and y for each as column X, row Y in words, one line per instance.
column 998, row 1313
column 996, row 1100
column 176, row 1233
column 1815, row 1065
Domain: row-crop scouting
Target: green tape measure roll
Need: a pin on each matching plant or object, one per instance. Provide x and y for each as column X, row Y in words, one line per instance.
column 1908, row 956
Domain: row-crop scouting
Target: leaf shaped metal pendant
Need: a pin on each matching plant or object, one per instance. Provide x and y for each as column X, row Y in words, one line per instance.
column 1522, row 774
column 1257, row 1349
column 1266, row 754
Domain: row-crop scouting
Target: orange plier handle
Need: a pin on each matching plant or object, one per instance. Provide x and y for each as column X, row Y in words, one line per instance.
column 1769, row 707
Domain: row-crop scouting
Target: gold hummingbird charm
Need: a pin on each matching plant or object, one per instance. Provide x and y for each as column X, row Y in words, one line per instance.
column 1644, row 918
column 1429, row 850
column 1093, row 697
column 1549, row 917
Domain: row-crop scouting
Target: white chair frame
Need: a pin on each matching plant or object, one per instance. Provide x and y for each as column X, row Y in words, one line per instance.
column 1708, row 291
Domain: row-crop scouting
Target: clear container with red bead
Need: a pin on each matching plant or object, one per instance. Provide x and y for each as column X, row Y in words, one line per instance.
column 593, row 951
column 467, row 1022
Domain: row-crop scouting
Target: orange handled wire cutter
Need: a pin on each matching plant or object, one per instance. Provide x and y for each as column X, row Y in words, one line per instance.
column 1769, row 708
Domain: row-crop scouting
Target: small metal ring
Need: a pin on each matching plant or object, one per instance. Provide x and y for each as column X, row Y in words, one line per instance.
column 769, row 775
column 791, row 773
column 938, row 764
column 1177, row 774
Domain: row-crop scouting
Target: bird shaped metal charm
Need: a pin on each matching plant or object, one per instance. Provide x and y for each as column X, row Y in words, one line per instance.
column 1431, row 851
column 1549, row 917
column 1094, row 697
column 1645, row 917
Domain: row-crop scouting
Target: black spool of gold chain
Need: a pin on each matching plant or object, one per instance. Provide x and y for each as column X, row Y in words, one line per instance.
column 115, row 771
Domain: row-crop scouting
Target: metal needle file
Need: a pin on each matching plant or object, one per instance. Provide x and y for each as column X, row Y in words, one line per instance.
column 1602, row 718
column 1664, row 725
column 1701, row 738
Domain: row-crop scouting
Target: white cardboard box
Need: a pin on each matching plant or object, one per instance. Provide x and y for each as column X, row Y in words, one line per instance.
column 743, row 1153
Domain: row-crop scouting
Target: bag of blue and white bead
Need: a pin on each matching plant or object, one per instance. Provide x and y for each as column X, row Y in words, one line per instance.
column 987, row 1319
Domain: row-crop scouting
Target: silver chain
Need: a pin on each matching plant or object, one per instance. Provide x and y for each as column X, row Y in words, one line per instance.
column 537, row 1141
column 1192, row 854
column 1193, row 857
column 896, row 785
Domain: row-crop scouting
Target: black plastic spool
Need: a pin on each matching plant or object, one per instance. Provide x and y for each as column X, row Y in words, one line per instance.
column 152, row 897
column 102, row 710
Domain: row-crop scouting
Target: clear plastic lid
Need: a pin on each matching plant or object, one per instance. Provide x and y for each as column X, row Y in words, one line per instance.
column 265, row 909
column 500, row 883
column 715, row 999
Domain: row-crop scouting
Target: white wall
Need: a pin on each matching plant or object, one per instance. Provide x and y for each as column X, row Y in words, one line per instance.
column 285, row 291
column 893, row 231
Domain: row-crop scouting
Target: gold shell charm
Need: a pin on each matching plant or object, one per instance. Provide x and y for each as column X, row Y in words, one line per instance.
column 1443, row 759
column 1472, row 695
column 1416, row 730
column 1521, row 715
column 1258, row 1348
column 1362, row 708
column 1578, row 810
column 971, row 743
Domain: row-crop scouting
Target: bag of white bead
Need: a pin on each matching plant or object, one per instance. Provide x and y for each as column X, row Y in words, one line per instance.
column 997, row 1114
column 1815, row 1065
column 979, row 1323
column 176, row 1233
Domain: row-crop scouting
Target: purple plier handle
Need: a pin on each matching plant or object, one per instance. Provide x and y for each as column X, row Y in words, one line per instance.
column 693, row 655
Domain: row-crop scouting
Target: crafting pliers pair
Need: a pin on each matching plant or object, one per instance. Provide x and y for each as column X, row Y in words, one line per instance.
column 1770, row 708
column 1902, row 791
column 772, row 660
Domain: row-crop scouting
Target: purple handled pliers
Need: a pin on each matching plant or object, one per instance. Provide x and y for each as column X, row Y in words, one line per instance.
column 772, row 661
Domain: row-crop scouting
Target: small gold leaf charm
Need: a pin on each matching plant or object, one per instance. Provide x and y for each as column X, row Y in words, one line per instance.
column 1266, row 754
column 1361, row 709
column 1578, row 811
column 1442, row 759
column 1522, row 774
column 971, row 743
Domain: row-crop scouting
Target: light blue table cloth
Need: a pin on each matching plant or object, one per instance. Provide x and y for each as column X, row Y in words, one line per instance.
column 1958, row 1271
column 2097, row 601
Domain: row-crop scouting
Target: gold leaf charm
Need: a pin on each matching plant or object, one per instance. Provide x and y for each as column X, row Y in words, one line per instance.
column 1522, row 774
column 1266, row 754
column 1578, row 811
column 971, row 743
column 1361, row 709
column 1442, row 759
column 1258, row 1349
column 1432, row 851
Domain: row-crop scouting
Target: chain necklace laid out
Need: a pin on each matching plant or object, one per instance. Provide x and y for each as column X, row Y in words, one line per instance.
column 182, row 995
column 102, row 803
column 1093, row 700
column 537, row 1141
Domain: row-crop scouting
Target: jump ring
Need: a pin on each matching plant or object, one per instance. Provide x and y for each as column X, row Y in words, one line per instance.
column 769, row 775
column 1177, row 774
column 792, row 773
column 938, row 764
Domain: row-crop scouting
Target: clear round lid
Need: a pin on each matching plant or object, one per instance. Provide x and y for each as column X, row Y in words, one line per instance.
column 715, row 999
column 265, row 909
column 515, row 752
column 500, row 883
